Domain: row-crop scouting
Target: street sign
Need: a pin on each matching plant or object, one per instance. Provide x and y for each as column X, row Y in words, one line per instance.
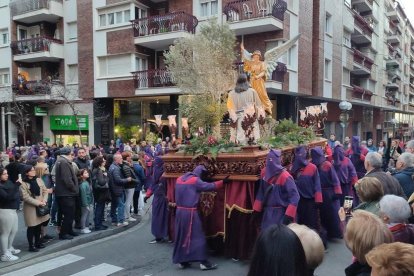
column 40, row 111
column 68, row 122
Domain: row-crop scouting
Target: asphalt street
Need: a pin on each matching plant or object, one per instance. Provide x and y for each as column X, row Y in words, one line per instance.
column 129, row 253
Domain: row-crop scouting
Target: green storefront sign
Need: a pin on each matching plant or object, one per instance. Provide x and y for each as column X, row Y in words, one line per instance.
column 65, row 122
column 40, row 111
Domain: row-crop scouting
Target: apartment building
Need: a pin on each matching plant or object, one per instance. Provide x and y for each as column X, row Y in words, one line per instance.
column 111, row 53
column 39, row 71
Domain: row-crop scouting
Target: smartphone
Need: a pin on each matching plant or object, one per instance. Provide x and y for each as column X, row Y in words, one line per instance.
column 348, row 201
column 19, row 176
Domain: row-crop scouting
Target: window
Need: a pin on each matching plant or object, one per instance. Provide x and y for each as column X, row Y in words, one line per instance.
column 119, row 18
column 208, row 8
column 72, row 73
column 113, row 18
column 328, row 24
column 328, row 70
column 4, row 76
column 347, row 39
column 346, row 77
column 127, row 16
column 291, row 58
column 141, row 63
column 4, row 37
column 102, row 20
column 72, row 30
column 140, row 13
column 117, row 65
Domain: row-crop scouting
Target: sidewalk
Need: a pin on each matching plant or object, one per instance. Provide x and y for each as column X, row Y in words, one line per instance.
column 20, row 242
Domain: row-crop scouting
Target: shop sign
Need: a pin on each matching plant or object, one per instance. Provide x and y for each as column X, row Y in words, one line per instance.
column 40, row 111
column 67, row 122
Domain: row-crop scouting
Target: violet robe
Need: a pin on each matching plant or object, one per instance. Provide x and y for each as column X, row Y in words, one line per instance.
column 331, row 190
column 309, row 187
column 148, row 158
column 190, row 241
column 277, row 195
column 357, row 156
column 159, row 220
column 346, row 173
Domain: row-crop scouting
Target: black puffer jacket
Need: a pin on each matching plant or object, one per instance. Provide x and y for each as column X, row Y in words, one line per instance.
column 9, row 195
column 128, row 171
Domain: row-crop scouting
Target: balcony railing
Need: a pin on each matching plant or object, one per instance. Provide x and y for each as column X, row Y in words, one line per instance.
column 360, row 93
column 33, row 45
column 172, row 22
column 18, row 7
column 153, row 78
column 32, row 88
column 362, row 60
column 250, row 9
column 363, row 24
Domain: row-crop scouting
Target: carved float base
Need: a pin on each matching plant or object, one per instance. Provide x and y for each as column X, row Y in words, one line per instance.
column 244, row 165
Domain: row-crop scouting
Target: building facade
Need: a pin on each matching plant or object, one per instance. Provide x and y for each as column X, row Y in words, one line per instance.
column 107, row 55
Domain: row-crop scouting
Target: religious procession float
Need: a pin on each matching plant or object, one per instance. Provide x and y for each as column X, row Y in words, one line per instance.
column 204, row 68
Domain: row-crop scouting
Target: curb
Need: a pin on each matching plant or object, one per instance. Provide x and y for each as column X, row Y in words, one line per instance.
column 60, row 245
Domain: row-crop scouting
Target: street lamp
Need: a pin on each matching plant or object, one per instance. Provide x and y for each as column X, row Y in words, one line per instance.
column 345, row 107
column 394, row 122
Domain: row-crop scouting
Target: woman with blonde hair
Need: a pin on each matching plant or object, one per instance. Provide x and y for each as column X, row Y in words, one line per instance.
column 394, row 259
column 42, row 172
column 370, row 192
column 364, row 231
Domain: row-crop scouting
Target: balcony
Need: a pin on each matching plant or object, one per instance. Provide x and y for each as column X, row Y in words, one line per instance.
column 160, row 31
column 277, row 78
column 35, row 90
column 360, row 93
column 393, row 15
column 32, row 11
column 37, row 49
column 393, row 62
column 393, row 85
column 362, row 64
column 393, row 38
column 255, row 16
column 362, row 5
column 362, row 30
column 147, row 81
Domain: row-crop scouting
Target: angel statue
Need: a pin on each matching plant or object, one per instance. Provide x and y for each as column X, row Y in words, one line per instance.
column 259, row 70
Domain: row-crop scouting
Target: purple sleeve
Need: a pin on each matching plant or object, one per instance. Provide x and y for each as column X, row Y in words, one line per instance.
column 290, row 186
column 353, row 178
column 317, row 187
column 258, row 203
column 206, row 186
column 335, row 180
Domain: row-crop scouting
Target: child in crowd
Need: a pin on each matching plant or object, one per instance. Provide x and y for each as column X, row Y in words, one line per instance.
column 85, row 192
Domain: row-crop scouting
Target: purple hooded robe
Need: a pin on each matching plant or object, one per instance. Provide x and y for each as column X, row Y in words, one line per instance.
column 159, row 220
column 190, row 241
column 357, row 155
column 307, row 180
column 345, row 171
column 331, row 190
column 277, row 195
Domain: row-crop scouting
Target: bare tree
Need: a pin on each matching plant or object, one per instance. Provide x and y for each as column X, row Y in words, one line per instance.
column 69, row 97
column 21, row 118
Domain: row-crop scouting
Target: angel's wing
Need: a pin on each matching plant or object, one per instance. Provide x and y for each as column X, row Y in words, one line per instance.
column 271, row 56
column 247, row 55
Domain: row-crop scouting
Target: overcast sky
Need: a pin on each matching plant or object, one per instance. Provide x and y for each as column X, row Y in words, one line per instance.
column 408, row 6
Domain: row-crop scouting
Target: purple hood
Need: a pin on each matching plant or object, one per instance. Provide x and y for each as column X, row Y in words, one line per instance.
column 338, row 155
column 318, row 157
column 273, row 164
column 300, row 160
column 198, row 171
column 356, row 148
